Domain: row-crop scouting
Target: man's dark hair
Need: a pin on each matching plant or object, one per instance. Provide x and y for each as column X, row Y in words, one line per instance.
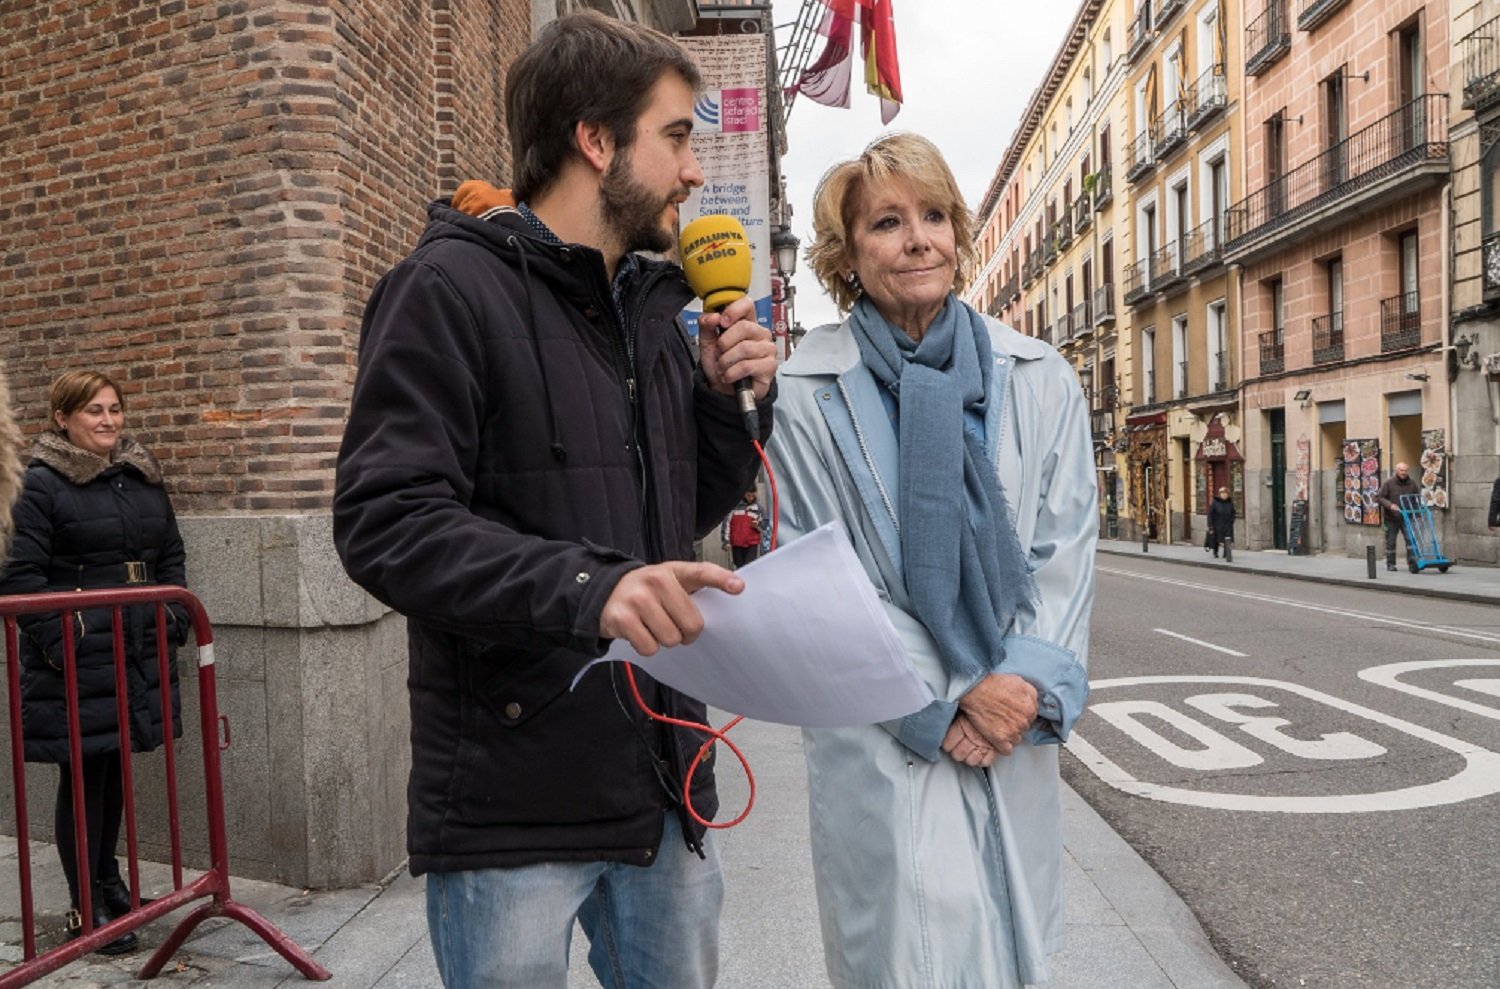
column 584, row 67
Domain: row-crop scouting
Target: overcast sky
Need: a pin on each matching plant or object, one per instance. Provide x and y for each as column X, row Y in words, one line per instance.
column 968, row 68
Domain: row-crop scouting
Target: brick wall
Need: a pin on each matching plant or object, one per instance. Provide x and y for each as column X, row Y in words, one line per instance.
column 197, row 198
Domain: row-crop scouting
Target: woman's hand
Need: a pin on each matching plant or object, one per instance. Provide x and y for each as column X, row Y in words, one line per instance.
column 1000, row 707
column 732, row 345
column 966, row 745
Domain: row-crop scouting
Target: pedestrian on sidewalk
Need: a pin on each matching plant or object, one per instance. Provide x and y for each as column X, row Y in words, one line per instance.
column 530, row 458
column 1220, row 521
column 1494, row 514
column 1389, row 498
column 936, row 838
column 93, row 513
column 741, row 531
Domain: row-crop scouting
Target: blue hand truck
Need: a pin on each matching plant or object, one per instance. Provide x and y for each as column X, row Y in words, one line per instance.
column 1422, row 550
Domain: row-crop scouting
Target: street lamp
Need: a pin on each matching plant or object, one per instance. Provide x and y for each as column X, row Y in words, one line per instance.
column 785, row 243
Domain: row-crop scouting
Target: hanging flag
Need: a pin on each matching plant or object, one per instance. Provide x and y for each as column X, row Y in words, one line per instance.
column 882, row 71
column 826, row 80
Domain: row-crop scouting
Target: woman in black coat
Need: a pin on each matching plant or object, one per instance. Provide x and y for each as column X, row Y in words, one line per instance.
column 93, row 514
column 1220, row 520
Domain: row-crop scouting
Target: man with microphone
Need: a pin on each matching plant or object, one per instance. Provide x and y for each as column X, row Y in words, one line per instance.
column 530, row 455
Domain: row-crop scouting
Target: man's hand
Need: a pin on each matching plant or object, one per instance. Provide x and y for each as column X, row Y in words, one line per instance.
column 966, row 745
column 1000, row 707
column 650, row 606
column 732, row 345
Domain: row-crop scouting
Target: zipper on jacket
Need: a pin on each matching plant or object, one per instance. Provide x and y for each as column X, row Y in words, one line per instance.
column 859, row 435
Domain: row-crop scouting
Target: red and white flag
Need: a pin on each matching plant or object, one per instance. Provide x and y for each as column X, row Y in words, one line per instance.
column 827, row 79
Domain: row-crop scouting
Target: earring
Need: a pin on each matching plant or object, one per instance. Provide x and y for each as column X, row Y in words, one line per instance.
column 854, row 285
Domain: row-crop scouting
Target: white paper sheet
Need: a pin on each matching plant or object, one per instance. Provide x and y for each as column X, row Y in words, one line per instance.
column 807, row 642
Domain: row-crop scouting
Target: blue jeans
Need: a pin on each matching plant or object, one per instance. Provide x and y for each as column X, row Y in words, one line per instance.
column 647, row 926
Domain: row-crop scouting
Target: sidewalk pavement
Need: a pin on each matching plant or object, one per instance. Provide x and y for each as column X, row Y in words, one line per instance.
column 1462, row 582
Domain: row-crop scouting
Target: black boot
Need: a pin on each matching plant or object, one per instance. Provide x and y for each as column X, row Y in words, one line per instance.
column 115, row 896
column 119, row 946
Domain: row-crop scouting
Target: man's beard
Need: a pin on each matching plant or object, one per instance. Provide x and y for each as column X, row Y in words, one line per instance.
column 633, row 212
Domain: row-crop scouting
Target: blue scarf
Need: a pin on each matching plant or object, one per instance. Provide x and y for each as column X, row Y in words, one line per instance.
column 961, row 558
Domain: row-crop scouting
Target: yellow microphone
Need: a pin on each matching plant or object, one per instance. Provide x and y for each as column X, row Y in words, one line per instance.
column 716, row 260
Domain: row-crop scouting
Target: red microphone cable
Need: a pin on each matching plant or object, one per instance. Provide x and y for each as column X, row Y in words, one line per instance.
column 715, row 735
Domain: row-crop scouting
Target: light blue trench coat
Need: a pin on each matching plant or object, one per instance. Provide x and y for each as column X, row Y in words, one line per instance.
column 930, row 873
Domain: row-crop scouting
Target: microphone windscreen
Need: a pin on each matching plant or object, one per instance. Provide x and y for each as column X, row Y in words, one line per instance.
column 716, row 259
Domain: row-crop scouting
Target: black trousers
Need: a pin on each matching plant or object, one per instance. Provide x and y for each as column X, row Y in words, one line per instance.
column 104, row 807
column 1391, row 528
column 744, row 554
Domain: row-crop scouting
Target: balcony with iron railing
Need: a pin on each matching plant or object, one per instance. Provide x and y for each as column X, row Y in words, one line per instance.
column 1182, row 379
column 1083, row 322
column 1106, row 399
column 1267, row 38
column 1137, row 281
column 1315, row 12
column 1400, row 322
column 1104, row 304
column 1083, row 213
column 1166, row 271
column 1328, row 338
column 1062, row 330
column 1201, row 246
column 1103, row 193
column 1273, row 352
column 1140, row 33
column 1482, row 65
column 1166, row 10
column 1049, row 245
column 1011, row 290
column 1207, row 97
column 1491, row 251
column 1139, row 157
column 1062, row 230
column 1031, row 270
column 1221, row 371
column 1170, row 129
column 1401, row 153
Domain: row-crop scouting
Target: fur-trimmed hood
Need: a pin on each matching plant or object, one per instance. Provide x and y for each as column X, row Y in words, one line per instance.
column 80, row 466
column 10, row 466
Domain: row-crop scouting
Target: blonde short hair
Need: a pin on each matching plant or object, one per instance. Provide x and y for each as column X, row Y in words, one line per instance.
column 907, row 157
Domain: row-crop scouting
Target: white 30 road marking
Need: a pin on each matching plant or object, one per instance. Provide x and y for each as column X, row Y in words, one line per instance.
column 1198, row 642
column 1480, row 776
column 1390, row 676
column 1364, row 616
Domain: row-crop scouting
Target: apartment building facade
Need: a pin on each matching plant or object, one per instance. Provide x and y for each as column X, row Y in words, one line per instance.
column 1341, row 245
column 1049, row 256
column 1473, row 358
column 1182, row 435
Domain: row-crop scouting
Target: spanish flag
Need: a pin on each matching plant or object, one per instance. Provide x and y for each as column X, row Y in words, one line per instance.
column 882, row 71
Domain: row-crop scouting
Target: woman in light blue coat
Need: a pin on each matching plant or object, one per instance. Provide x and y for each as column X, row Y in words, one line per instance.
column 956, row 454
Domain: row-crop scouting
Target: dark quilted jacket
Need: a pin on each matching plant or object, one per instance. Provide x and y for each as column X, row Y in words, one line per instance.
column 509, row 456
column 77, row 522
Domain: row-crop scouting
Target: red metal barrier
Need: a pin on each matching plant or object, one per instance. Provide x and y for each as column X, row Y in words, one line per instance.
column 213, row 884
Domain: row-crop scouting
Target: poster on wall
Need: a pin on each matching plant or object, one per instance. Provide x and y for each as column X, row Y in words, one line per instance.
column 1303, row 471
column 729, row 138
column 1434, row 462
column 1361, row 482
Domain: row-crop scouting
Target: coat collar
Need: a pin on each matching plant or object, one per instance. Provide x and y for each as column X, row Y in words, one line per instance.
column 80, row 466
column 831, row 349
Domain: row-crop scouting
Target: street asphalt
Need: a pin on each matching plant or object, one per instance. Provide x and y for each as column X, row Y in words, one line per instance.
column 1127, row 929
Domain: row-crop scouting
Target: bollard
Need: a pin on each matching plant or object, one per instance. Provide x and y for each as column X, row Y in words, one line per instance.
column 1145, row 542
column 1229, row 551
column 1370, row 561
